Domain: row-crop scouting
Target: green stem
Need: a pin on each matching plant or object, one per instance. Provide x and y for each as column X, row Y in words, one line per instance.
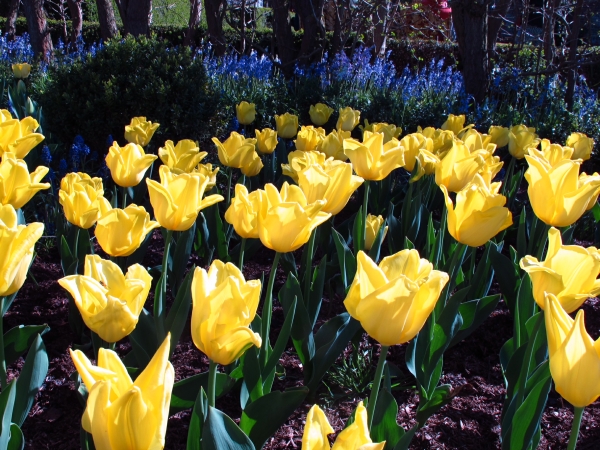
column 242, row 180
column 308, row 265
column 376, row 383
column 124, row 198
column 160, row 304
column 577, row 415
column 268, row 310
column 528, row 354
column 2, row 356
column 228, row 196
column 76, row 249
column 212, row 382
column 364, row 211
column 241, row 260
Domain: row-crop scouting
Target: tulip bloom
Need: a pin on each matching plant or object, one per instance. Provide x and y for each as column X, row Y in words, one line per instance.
column 320, row 114
column 140, row 131
column 177, row 199
column 181, row 158
column 266, row 140
column 552, row 153
column 354, row 437
column 459, row 166
column 109, row 302
column 309, row 138
column 243, row 212
column 479, row 214
column 333, row 181
column 569, row 273
column 581, row 144
column 210, row 173
column 223, row 307
column 413, row 144
column 239, row 152
column 286, row 219
column 128, row 164
column 456, row 124
column 16, row 242
column 348, row 119
column 21, row 70
column 299, row 160
column 122, row 414
column 373, row 225
column 17, row 185
column 520, row 139
column 245, row 112
column 558, row 194
column 120, row 232
column 82, row 199
column 372, row 159
column 442, row 140
column 17, row 136
column 574, row 356
column 499, row 136
column 333, row 145
column 389, row 131
column 286, row 125
column 393, row 300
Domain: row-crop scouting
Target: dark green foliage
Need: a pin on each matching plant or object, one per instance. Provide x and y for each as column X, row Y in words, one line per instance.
column 98, row 96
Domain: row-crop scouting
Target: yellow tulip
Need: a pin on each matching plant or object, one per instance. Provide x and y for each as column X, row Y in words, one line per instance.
column 177, row 199
column 243, row 212
column 443, row 140
column 569, row 272
column 266, row 140
column 393, row 300
column 16, row 249
column 499, row 136
column 348, row 119
column 333, row 181
column 299, row 160
column 459, row 166
column 17, row 185
column 558, row 194
column 239, row 152
column 17, row 136
column 120, row 232
column 245, row 112
column 183, row 157
column 456, row 124
column 479, row 214
column 574, row 356
column 82, row 199
column 286, row 125
column 373, row 225
column 210, row 173
column 140, row 131
column 21, row 70
column 309, row 138
column 128, row 164
column 372, row 159
column 389, row 131
column 5, row 115
column 581, row 144
column 122, row 414
column 223, row 307
column 355, row 436
column 320, row 114
column 520, row 139
column 109, row 302
column 552, row 153
column 475, row 140
column 413, row 144
column 333, row 145
column 286, row 219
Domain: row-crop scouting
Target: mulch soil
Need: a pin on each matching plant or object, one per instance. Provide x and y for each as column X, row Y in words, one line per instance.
column 470, row 421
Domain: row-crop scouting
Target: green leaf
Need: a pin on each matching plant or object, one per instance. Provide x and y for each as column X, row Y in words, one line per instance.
column 442, row 395
column 395, row 237
column 376, row 247
column 282, row 339
column 143, row 339
column 221, row 433
column 30, row 380
column 507, row 275
column 252, row 380
column 302, row 337
column 178, row 314
column 358, row 231
column 316, row 292
column 522, row 234
column 384, row 426
column 194, row 437
column 17, row 440
column 406, row 439
column 186, row 391
column 346, row 259
column 18, row 339
column 7, row 402
column 263, row 417
column 473, row 314
column 288, row 263
column 216, row 233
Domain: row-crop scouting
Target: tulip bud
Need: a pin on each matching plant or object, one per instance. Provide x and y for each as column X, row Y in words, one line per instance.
column 21, row 70
column 412, row 144
column 140, row 131
column 287, row 125
column 82, row 199
column 499, row 136
column 520, row 139
column 266, row 140
column 245, row 112
column 372, row 159
column 389, row 131
column 181, row 158
column 239, row 152
column 17, row 136
column 456, row 124
column 243, row 212
column 299, row 160
column 223, row 307
column 128, row 164
column 210, row 173
column 373, row 225
column 309, row 138
column 582, row 145
column 459, row 166
column 393, row 300
column 333, row 145
column 17, row 185
column 320, row 114
column 348, row 119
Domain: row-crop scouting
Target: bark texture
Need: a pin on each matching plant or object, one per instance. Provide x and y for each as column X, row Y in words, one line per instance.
column 41, row 43
column 215, row 13
column 284, row 39
column 195, row 15
column 495, row 20
column 76, row 19
column 11, row 19
column 106, row 16
column 311, row 17
column 136, row 16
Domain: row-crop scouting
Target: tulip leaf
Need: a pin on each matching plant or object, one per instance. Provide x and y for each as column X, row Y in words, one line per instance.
column 180, row 256
column 522, row 233
column 346, row 259
column 194, row 437
column 376, row 247
column 137, row 256
column 282, row 339
column 178, row 314
column 216, row 238
column 17, row 440
column 143, row 339
column 395, row 237
column 7, row 402
column 384, row 426
column 481, row 279
column 507, row 275
column 288, row 263
column 406, row 439
column 66, row 257
column 8, row 300
column 442, row 395
column 316, row 292
column 222, row 433
column 252, row 381
column 263, row 417
column 185, row 391
column 358, row 231
column 18, row 339
column 30, row 380
column 473, row 314
column 302, row 336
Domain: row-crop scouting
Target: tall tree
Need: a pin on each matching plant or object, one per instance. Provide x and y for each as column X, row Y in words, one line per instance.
column 498, row 11
column 136, row 16
column 41, row 43
column 311, row 18
column 215, row 13
column 284, row 39
column 76, row 19
column 106, row 16
column 195, row 15
column 11, row 19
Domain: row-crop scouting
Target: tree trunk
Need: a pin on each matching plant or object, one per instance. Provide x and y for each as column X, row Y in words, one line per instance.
column 470, row 23
column 106, row 16
column 11, row 19
column 195, row 15
column 549, row 22
column 284, row 39
column 573, row 38
column 311, row 17
column 41, row 43
column 76, row 20
column 139, row 13
column 380, row 25
column 495, row 20
column 214, row 19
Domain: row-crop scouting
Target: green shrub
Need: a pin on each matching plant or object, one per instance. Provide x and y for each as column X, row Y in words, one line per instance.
column 98, row 96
